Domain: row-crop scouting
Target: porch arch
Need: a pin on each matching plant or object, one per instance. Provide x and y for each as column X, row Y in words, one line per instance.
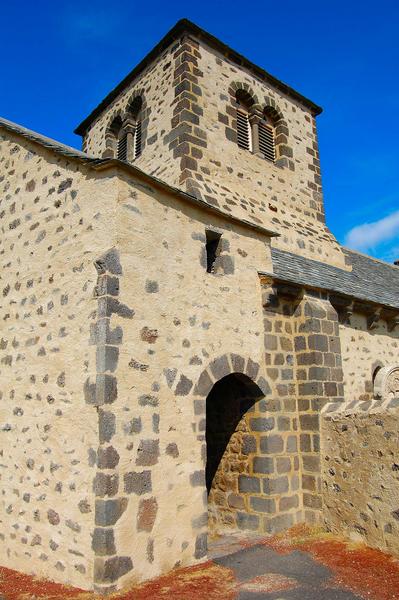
column 228, row 364
column 229, row 399
column 232, row 424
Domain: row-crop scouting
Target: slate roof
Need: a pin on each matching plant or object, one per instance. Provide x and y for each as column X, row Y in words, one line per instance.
column 370, row 279
column 182, row 27
column 45, row 141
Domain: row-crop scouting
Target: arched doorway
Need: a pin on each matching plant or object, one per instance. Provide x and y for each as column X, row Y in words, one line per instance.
column 230, row 412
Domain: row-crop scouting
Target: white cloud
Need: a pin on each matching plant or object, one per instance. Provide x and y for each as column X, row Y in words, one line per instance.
column 368, row 235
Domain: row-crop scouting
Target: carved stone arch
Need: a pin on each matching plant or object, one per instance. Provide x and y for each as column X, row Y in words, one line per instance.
column 230, row 418
column 237, row 86
column 112, row 133
column 284, row 152
column 131, row 113
column 117, row 114
column 386, row 383
column 225, row 365
column 133, row 99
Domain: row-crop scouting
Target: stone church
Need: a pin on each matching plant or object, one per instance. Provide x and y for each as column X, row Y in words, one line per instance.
column 186, row 349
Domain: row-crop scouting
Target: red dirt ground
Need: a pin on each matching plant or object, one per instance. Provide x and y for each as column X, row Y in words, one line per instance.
column 369, row 573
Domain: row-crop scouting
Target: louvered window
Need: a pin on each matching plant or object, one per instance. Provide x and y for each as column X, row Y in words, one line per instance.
column 244, row 138
column 266, row 141
column 137, row 140
column 122, row 147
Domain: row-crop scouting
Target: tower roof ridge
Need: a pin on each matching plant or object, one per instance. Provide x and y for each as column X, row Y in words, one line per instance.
column 185, row 26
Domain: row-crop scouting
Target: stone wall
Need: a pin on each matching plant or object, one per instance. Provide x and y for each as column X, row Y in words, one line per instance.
column 360, row 477
column 118, row 318
column 176, row 320
column 286, row 196
column 115, row 334
column 51, row 219
column 303, row 366
column 364, row 350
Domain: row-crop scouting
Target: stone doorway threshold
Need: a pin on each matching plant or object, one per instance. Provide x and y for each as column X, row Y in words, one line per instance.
column 228, row 543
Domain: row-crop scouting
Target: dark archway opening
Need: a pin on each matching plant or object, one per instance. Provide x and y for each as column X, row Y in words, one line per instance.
column 229, row 407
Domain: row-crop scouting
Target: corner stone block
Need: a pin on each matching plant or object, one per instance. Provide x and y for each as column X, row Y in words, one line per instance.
column 106, row 425
column 103, row 334
column 275, row 486
column 108, row 305
column 90, row 392
column 309, row 422
column 105, row 485
column 279, row 523
column 103, row 542
column 107, row 285
column 107, row 358
column 109, row 262
column 107, row 458
column 108, row 512
column 106, row 389
column 201, row 546
column 197, row 478
column 318, row 342
column 111, row 569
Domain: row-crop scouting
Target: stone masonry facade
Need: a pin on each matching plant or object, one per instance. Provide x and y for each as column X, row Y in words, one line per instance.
column 186, row 350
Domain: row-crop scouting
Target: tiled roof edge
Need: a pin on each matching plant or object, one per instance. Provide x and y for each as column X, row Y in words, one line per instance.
column 380, row 286
column 44, row 141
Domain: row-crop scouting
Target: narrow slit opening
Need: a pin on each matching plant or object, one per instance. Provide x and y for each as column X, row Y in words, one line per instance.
column 212, row 249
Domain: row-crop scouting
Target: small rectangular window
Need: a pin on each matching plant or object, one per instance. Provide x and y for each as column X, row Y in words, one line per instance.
column 212, row 249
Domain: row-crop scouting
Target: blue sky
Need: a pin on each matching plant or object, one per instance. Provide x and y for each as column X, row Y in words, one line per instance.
column 58, row 60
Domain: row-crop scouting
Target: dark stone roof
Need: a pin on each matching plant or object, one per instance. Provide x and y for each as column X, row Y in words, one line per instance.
column 45, row 141
column 184, row 26
column 370, row 280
